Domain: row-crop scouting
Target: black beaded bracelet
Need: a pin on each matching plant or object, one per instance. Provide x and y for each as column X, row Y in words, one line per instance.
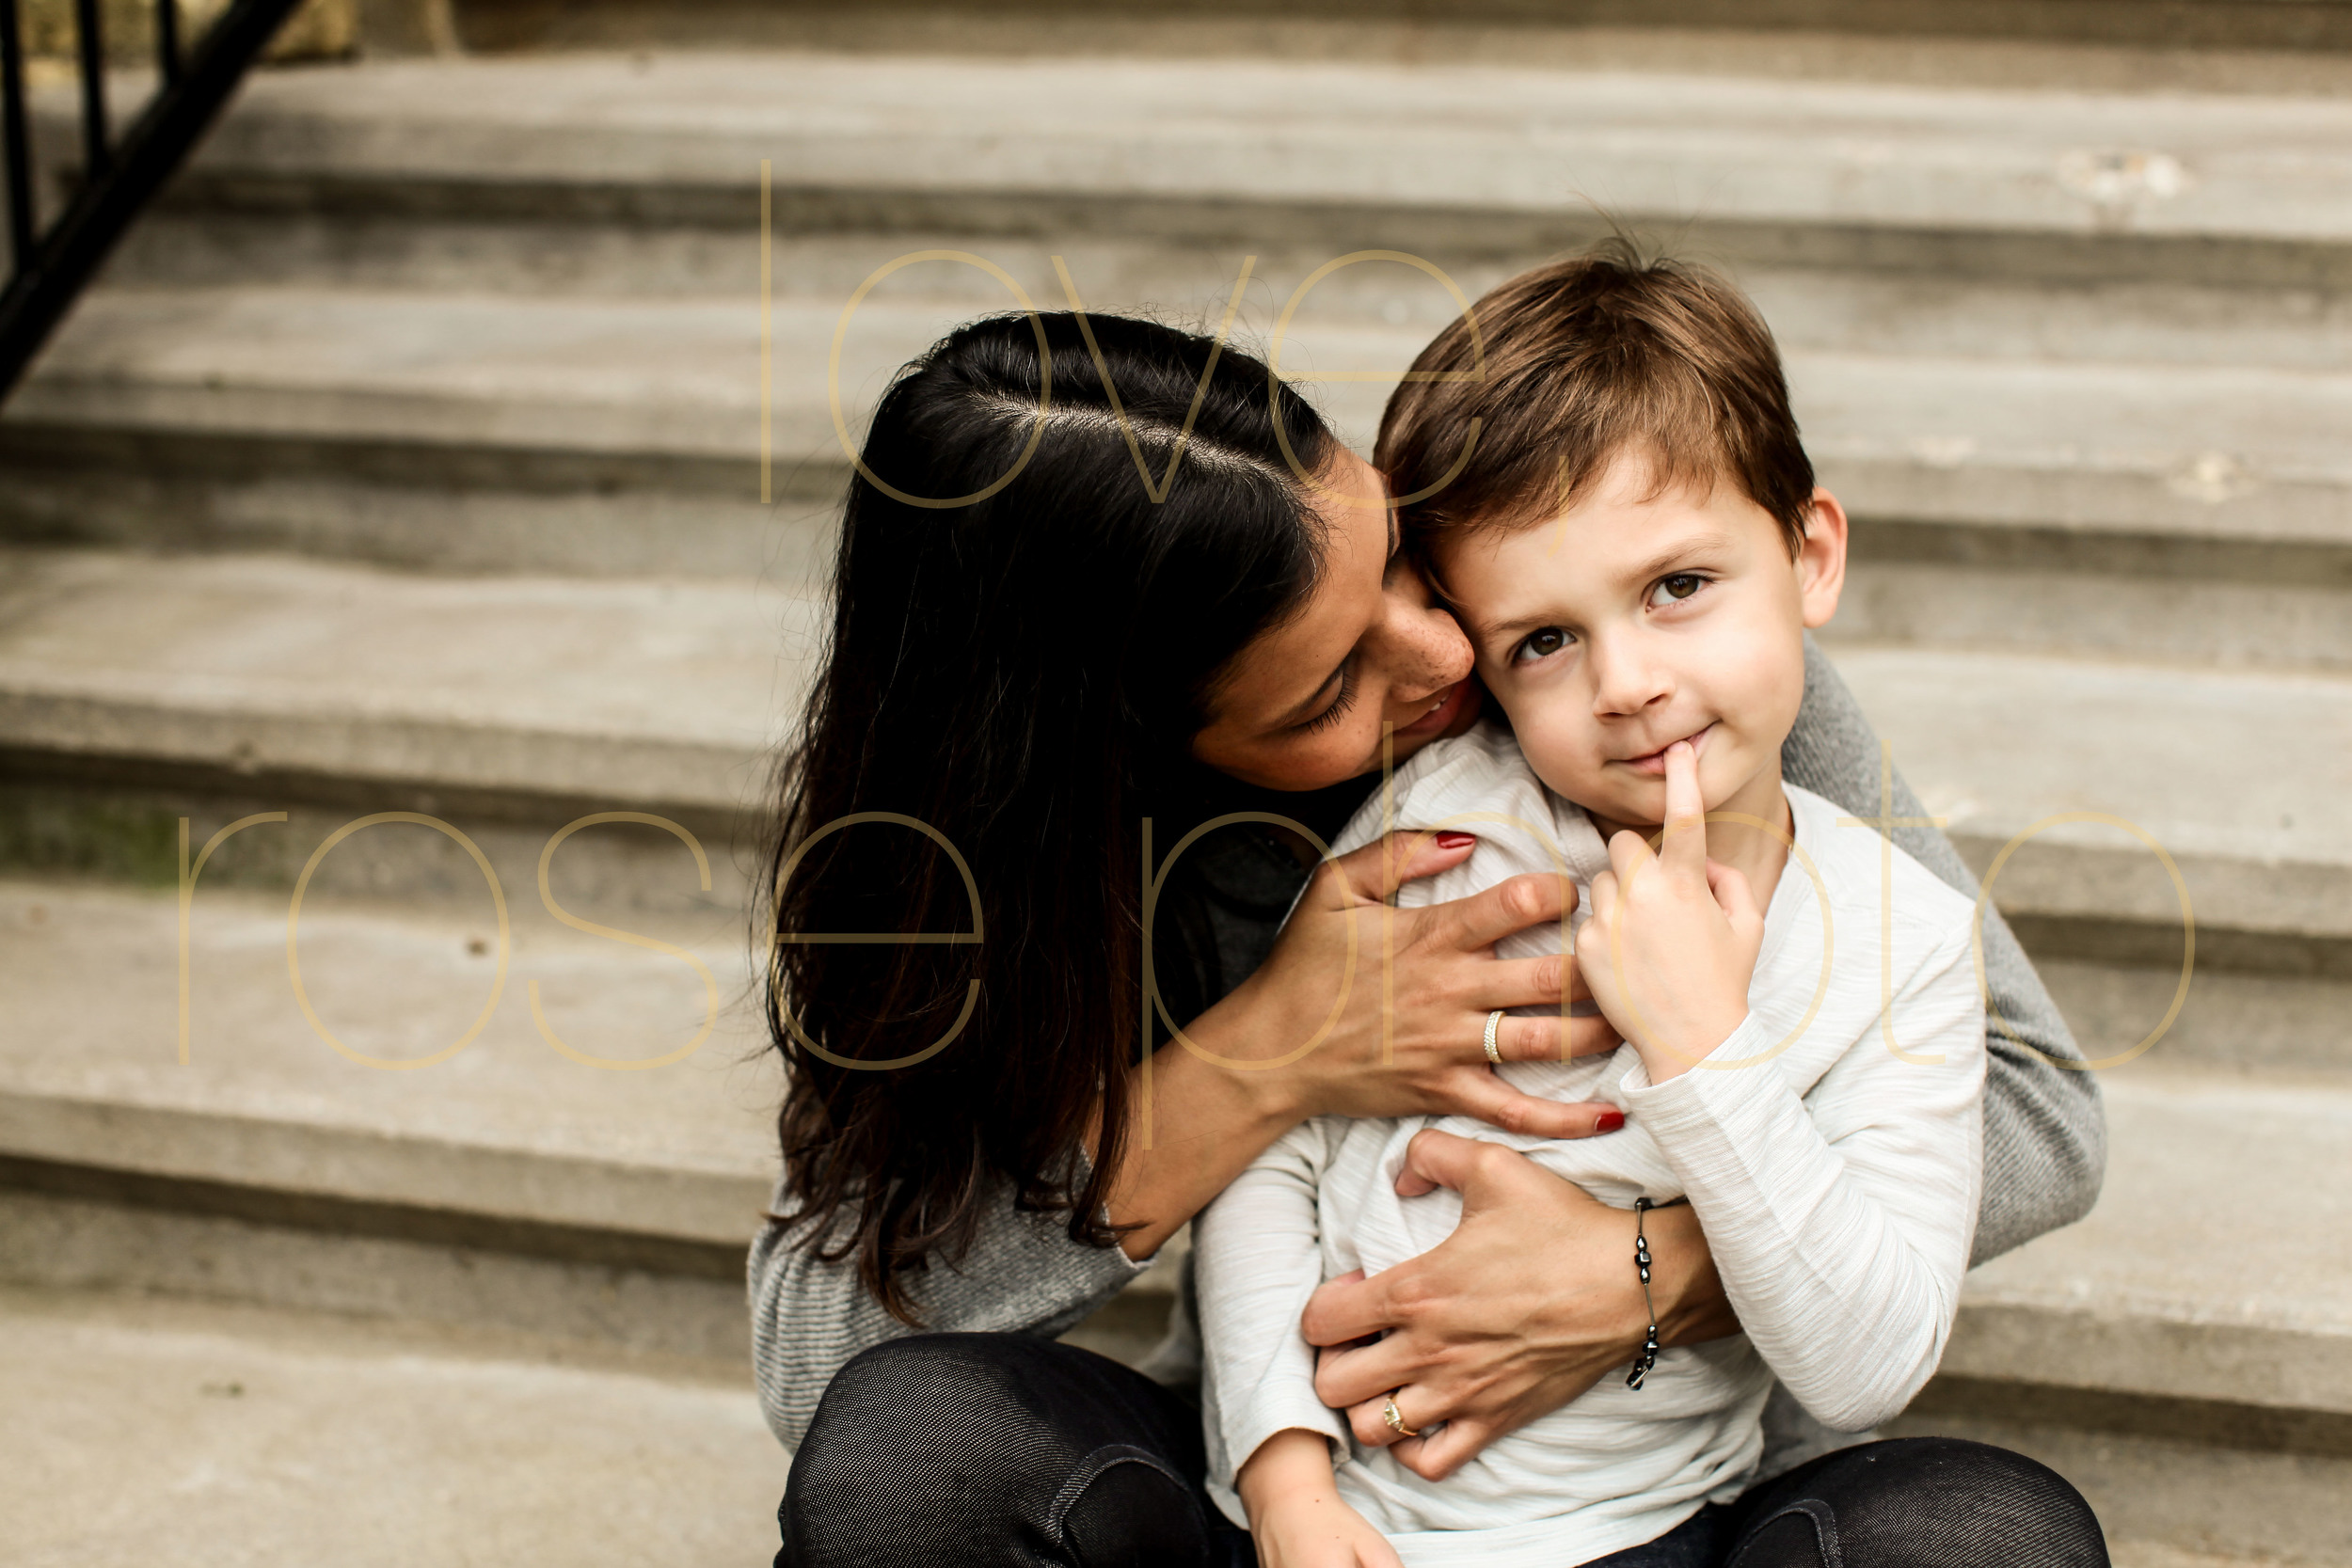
column 1648, row 1358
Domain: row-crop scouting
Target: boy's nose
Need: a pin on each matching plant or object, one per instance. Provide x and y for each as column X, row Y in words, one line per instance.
column 1624, row 684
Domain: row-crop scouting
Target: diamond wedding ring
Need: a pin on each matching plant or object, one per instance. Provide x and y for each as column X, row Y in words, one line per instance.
column 1389, row 1413
column 1494, row 1023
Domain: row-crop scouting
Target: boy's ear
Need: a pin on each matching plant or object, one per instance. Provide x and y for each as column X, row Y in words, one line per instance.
column 1821, row 562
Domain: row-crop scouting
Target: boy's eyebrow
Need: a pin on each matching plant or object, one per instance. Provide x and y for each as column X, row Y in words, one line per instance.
column 1676, row 554
column 1495, row 630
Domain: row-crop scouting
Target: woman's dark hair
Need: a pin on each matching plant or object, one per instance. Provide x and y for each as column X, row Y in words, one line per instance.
column 1020, row 671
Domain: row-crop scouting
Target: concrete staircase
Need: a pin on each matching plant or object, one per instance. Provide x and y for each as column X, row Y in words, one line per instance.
column 410, row 461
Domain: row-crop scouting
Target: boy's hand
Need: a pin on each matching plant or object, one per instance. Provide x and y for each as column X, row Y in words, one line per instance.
column 1325, row 1533
column 1296, row 1519
column 1673, row 938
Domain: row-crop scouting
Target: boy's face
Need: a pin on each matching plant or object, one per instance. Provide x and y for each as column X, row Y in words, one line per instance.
column 1632, row 621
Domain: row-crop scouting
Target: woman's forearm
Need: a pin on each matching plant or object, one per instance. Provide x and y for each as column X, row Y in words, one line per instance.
column 1196, row 1124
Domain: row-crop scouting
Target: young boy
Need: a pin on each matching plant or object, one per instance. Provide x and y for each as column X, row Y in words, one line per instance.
column 1635, row 546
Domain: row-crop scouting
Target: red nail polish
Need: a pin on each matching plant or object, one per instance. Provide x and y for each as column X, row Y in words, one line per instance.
column 1608, row 1122
column 1456, row 841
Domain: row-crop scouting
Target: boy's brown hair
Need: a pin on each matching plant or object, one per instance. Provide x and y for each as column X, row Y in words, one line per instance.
column 1553, row 373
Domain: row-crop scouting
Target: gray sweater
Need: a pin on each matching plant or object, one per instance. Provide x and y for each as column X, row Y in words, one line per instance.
column 2044, row 1145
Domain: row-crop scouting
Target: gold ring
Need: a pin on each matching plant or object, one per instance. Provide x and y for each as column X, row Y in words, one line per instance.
column 1396, row 1421
column 1494, row 1023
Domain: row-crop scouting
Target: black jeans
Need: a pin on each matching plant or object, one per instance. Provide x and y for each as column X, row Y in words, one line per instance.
column 997, row 1449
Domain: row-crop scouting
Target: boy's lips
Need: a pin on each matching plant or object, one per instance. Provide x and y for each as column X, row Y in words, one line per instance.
column 1654, row 763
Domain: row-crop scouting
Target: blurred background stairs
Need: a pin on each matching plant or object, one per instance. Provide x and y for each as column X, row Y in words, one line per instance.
column 408, row 460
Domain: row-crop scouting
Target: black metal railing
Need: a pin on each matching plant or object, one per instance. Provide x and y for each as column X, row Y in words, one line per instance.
column 49, row 265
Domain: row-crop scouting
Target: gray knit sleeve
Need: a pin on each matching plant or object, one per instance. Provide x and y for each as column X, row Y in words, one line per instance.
column 2045, row 1138
column 1023, row 1275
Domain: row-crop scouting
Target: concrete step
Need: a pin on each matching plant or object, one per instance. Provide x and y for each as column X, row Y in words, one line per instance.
column 2228, row 778
column 2156, row 186
column 2184, row 1330
column 2204, row 514
column 2165, row 39
column 637, row 694
column 589, row 1166
column 231, row 1146
column 273, row 683
column 2181, row 1355
column 163, row 1431
column 99, row 1071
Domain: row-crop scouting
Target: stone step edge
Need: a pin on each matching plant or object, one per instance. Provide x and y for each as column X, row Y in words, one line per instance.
column 399, row 1186
column 2156, row 1349
column 2052, row 256
column 322, row 1174
column 2019, row 163
column 251, row 747
column 2210, row 1423
column 2133, row 524
column 1384, row 27
column 2251, row 913
column 1921, row 505
column 700, row 1224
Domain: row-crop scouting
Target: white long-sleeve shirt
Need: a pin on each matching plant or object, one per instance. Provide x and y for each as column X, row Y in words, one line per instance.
column 1836, row 1178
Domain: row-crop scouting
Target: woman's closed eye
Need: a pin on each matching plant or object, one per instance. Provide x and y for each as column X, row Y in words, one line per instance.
column 1344, row 700
column 1680, row 588
column 1539, row 645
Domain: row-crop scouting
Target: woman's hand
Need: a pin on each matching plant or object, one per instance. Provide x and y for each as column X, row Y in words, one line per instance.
column 1408, row 1040
column 1296, row 1517
column 1403, row 1042
column 1530, row 1302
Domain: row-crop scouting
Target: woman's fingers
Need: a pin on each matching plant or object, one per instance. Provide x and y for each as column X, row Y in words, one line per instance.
column 1445, row 1451
column 1538, row 983
column 1499, row 1106
column 1343, row 1310
column 1540, row 1039
column 1369, row 1419
column 1476, row 923
column 1348, row 1379
column 1375, row 872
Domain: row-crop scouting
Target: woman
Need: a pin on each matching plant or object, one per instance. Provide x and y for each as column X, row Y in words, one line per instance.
column 1041, row 681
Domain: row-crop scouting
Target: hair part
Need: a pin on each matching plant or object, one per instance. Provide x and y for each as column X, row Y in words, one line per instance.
column 1555, row 374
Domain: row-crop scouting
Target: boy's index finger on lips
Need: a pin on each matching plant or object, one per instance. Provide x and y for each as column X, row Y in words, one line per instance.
column 1684, row 849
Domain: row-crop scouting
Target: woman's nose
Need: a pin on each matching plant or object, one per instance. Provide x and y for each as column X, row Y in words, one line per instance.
column 1429, row 651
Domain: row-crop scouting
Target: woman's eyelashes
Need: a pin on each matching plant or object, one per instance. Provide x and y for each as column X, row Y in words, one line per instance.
column 1341, row 702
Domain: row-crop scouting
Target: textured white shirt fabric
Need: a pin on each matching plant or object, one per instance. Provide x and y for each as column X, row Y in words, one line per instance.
column 1835, row 1169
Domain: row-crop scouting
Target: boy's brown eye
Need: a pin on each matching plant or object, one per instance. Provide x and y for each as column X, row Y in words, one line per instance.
column 1542, row 644
column 1681, row 586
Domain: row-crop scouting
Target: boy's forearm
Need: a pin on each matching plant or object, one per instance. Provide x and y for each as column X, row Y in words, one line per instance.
column 1692, row 1306
column 1290, row 1466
